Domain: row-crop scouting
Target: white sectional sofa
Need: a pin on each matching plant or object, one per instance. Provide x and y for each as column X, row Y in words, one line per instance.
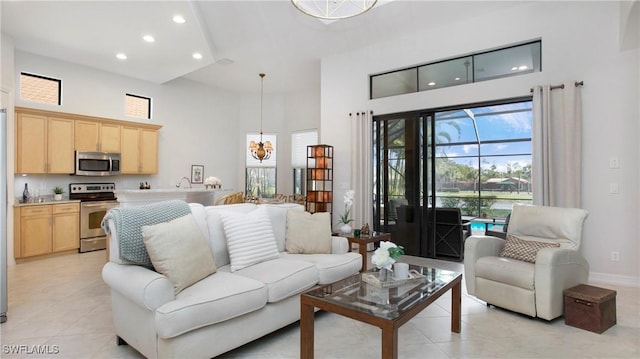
column 226, row 309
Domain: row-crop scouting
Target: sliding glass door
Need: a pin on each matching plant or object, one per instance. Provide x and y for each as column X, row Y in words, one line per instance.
column 402, row 185
column 475, row 159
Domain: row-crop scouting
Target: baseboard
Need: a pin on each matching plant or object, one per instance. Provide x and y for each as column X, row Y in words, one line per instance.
column 622, row 280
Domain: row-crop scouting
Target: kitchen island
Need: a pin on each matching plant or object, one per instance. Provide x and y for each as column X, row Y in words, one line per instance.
column 136, row 197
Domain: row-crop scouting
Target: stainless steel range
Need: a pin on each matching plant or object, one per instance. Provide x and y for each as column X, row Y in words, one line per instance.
column 95, row 200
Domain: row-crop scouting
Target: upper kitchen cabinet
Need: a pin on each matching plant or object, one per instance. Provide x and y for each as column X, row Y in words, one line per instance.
column 46, row 141
column 97, row 136
column 139, row 150
column 44, row 144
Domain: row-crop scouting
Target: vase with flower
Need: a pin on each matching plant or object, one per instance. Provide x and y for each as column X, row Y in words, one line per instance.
column 345, row 221
column 384, row 257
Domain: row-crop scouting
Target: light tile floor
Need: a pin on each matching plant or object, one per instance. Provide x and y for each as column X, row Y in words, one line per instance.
column 61, row 304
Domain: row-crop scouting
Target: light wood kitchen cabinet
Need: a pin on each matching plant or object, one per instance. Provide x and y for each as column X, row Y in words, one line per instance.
column 44, row 144
column 66, row 227
column 46, row 141
column 34, row 231
column 97, row 136
column 139, row 150
column 47, row 228
column 60, row 152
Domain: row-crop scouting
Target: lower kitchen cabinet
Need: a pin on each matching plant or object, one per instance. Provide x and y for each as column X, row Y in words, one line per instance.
column 46, row 228
column 66, row 227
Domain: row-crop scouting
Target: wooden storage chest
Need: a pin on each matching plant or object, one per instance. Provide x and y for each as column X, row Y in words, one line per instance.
column 590, row 308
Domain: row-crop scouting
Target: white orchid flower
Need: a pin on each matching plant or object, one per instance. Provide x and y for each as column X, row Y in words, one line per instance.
column 348, row 197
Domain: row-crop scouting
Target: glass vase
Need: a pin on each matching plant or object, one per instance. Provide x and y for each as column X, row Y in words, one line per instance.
column 384, row 274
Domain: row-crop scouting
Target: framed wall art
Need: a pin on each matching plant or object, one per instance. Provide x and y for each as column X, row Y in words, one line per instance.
column 197, row 174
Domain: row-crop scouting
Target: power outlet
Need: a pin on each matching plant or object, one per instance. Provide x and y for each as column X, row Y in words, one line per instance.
column 615, row 256
column 613, row 188
column 614, row 162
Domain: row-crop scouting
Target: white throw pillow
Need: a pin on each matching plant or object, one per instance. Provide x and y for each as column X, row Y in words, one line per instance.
column 250, row 238
column 179, row 250
column 308, row 233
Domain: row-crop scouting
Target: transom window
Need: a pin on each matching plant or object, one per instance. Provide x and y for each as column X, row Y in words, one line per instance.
column 40, row 89
column 137, row 106
column 482, row 66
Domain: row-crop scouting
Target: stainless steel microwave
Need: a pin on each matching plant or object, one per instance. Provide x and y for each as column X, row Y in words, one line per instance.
column 97, row 164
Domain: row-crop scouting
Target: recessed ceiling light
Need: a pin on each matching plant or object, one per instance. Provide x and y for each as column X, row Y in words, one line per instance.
column 431, row 83
column 197, row 55
column 148, row 38
column 121, row 56
column 178, row 19
column 515, row 68
column 457, row 79
column 523, row 67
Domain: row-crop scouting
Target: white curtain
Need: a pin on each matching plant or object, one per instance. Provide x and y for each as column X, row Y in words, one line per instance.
column 557, row 146
column 361, row 169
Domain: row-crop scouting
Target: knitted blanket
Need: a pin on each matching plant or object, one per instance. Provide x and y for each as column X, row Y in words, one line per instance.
column 128, row 225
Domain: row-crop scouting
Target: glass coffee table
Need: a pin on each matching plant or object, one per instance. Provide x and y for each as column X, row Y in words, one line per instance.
column 386, row 308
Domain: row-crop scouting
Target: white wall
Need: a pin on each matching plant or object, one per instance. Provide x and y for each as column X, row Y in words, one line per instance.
column 196, row 119
column 579, row 42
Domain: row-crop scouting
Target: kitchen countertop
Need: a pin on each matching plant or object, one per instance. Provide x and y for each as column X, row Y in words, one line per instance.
column 50, row 201
column 132, row 197
column 166, row 190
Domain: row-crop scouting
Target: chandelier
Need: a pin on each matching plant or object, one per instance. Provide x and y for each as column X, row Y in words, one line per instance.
column 261, row 150
column 333, row 9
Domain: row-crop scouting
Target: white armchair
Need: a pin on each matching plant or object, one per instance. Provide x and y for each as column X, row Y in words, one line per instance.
column 534, row 289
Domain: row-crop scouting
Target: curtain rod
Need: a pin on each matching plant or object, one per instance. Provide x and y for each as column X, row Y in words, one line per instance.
column 361, row 113
column 576, row 84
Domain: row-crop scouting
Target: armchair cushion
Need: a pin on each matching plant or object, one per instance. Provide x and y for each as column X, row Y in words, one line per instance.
column 563, row 225
column 179, row 250
column 523, row 250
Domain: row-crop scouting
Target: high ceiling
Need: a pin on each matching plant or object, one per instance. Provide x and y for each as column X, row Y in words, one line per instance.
column 238, row 39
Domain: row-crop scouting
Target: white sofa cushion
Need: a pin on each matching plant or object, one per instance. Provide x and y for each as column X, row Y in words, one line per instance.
column 217, row 238
column 179, row 250
column 331, row 267
column 283, row 278
column 219, row 297
column 308, row 233
column 250, row 238
column 278, row 216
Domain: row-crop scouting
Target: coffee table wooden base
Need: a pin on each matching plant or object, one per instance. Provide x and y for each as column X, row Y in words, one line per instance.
column 389, row 327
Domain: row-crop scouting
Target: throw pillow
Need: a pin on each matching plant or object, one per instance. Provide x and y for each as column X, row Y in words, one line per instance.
column 523, row 250
column 179, row 250
column 250, row 238
column 308, row 233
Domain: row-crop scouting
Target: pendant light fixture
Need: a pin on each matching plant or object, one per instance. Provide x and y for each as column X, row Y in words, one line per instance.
column 261, row 150
column 333, row 9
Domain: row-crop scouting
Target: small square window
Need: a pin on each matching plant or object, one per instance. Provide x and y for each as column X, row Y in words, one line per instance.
column 137, row 106
column 40, row 89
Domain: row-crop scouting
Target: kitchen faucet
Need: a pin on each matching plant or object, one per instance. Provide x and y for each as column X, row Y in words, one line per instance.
column 182, row 179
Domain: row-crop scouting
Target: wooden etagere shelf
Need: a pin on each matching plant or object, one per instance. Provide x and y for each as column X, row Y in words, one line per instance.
column 319, row 178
